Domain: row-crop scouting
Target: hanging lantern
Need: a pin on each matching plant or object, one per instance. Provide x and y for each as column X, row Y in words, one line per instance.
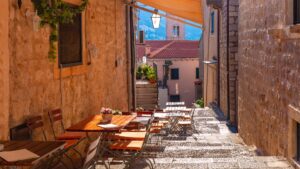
column 156, row 19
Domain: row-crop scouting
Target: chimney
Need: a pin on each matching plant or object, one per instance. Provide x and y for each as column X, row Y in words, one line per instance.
column 141, row 37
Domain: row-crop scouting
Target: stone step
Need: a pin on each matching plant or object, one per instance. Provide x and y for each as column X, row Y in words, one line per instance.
column 197, row 151
column 211, row 163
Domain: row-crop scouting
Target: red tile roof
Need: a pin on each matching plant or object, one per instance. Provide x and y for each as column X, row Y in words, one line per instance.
column 140, row 50
column 170, row 49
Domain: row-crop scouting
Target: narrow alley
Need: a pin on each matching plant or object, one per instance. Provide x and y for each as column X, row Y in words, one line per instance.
column 212, row 145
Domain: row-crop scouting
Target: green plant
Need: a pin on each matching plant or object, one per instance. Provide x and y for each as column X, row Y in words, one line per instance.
column 146, row 72
column 53, row 12
column 200, row 102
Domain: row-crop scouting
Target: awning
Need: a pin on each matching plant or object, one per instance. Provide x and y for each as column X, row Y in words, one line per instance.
column 187, row 9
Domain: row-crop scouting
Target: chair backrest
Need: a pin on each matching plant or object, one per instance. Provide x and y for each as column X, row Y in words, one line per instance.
column 51, row 161
column 126, row 113
column 95, row 150
column 55, row 116
column 20, row 132
column 36, row 123
column 142, row 113
column 148, row 130
column 193, row 112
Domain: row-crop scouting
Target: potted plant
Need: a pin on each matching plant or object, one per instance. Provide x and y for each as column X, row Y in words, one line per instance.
column 146, row 72
column 107, row 115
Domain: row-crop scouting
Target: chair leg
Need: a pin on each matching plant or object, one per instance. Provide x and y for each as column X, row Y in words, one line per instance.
column 77, row 152
column 151, row 164
column 69, row 158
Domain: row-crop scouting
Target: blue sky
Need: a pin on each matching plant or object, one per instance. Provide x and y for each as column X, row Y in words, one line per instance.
column 145, row 24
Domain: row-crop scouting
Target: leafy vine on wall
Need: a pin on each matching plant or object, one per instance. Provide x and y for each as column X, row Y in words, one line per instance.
column 53, row 12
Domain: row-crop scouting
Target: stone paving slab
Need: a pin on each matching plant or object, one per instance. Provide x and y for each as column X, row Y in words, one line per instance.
column 211, row 146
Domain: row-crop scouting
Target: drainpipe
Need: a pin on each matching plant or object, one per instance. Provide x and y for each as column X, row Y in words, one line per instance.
column 227, row 50
column 218, row 58
column 131, row 58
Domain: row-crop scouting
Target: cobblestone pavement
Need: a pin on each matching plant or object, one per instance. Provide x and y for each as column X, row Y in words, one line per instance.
column 212, row 145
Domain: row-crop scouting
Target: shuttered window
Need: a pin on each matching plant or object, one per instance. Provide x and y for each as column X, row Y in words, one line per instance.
column 174, row 74
column 197, row 73
column 176, row 31
column 174, row 98
column 212, row 29
column 70, row 43
column 297, row 11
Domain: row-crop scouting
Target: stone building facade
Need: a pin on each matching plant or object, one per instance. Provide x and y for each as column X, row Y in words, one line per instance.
column 229, row 59
column 210, row 53
column 222, row 46
column 175, row 30
column 269, row 81
column 32, row 85
column 4, row 69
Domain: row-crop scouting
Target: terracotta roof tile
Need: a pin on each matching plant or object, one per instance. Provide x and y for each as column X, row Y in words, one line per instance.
column 178, row 49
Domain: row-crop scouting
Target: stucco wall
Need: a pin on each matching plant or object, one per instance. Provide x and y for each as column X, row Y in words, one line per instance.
column 268, row 75
column 210, row 50
column 4, row 69
column 185, row 86
column 33, row 89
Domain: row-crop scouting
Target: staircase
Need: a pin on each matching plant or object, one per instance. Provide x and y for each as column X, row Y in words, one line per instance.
column 146, row 95
column 211, row 146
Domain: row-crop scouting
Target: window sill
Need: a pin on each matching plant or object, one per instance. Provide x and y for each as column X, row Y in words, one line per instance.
column 70, row 71
column 295, row 28
column 289, row 32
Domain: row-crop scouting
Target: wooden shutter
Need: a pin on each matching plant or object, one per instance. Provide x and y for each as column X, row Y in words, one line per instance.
column 70, row 42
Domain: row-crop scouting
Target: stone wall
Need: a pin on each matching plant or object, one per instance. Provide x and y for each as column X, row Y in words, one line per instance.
column 229, row 67
column 33, row 88
column 4, row 69
column 268, row 74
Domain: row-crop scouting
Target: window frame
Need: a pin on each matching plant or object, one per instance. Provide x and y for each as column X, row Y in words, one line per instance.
column 212, row 26
column 296, row 13
column 81, row 47
column 175, row 95
column 79, row 69
column 171, row 74
column 197, row 73
column 176, row 31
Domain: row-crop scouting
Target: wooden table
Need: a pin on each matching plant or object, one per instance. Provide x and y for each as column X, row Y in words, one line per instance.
column 181, row 108
column 166, row 115
column 175, row 104
column 90, row 124
column 41, row 148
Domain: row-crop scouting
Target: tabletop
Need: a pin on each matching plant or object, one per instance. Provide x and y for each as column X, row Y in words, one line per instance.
column 175, row 104
column 41, row 148
column 91, row 123
column 164, row 115
column 181, row 108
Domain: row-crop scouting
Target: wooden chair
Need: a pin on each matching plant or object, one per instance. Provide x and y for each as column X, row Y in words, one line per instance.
column 55, row 117
column 36, row 123
column 94, row 152
column 20, row 132
column 133, row 148
column 187, row 122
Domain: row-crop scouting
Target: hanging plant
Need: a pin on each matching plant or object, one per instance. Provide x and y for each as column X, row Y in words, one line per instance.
column 53, row 12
